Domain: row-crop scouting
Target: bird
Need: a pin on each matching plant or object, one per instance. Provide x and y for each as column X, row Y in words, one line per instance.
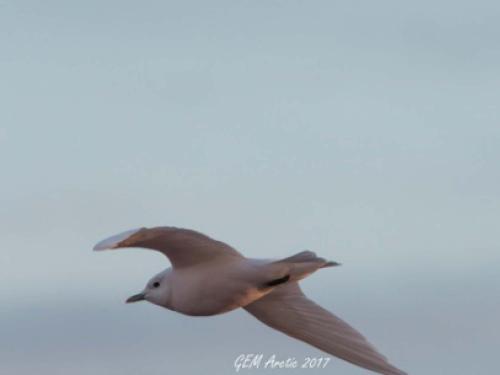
column 209, row 277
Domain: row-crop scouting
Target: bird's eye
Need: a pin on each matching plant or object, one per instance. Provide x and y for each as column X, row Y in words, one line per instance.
column 156, row 284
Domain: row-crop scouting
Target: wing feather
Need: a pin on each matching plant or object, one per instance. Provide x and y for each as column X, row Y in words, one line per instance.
column 288, row 310
column 183, row 247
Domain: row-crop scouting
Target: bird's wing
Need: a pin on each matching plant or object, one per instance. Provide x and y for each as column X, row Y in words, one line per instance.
column 183, row 247
column 288, row 310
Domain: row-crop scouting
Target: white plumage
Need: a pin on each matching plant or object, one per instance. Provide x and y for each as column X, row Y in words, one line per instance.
column 209, row 277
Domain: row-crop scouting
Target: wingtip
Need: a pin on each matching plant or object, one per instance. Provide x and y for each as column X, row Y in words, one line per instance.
column 396, row 371
column 113, row 242
column 102, row 247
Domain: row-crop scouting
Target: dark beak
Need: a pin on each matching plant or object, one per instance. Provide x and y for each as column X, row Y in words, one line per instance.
column 136, row 298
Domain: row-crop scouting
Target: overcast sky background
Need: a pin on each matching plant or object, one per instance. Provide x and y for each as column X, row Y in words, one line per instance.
column 368, row 132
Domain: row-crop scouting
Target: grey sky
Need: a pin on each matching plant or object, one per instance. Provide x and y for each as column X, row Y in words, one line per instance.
column 365, row 131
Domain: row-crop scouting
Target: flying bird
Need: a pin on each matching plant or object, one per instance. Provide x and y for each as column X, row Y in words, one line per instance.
column 209, row 277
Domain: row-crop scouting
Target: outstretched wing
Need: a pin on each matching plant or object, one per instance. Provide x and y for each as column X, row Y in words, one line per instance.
column 288, row 310
column 183, row 247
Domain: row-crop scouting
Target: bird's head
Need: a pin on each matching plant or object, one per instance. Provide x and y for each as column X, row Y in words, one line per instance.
column 157, row 290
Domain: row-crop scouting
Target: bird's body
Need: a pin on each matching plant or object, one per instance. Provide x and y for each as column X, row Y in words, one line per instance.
column 216, row 287
column 195, row 291
column 209, row 277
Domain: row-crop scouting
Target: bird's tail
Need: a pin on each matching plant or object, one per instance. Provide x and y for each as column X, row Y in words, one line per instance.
column 303, row 264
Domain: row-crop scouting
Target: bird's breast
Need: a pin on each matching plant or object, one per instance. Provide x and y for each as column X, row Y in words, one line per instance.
column 205, row 295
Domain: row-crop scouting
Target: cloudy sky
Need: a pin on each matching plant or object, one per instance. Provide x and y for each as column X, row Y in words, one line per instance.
column 368, row 132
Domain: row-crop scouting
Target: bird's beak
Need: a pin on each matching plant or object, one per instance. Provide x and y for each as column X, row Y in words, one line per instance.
column 136, row 298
